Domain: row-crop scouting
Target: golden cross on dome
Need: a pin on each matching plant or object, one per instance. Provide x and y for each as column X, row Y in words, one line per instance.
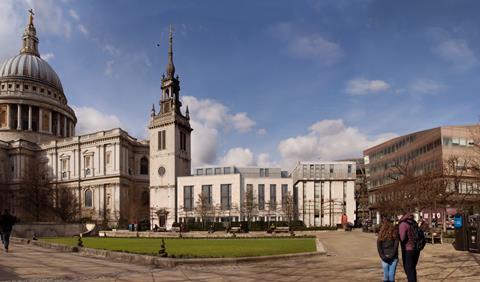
column 31, row 15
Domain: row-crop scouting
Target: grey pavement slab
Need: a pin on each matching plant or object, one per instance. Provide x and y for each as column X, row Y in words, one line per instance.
column 352, row 256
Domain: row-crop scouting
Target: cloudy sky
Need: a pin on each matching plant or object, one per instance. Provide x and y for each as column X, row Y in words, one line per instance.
column 267, row 82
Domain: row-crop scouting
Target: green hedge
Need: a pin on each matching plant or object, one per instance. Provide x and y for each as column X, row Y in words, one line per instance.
column 252, row 226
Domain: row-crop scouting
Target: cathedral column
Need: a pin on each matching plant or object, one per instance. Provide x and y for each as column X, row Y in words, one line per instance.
column 65, row 134
column 40, row 124
column 50, row 116
column 58, row 124
column 9, row 120
column 30, row 118
column 19, row 117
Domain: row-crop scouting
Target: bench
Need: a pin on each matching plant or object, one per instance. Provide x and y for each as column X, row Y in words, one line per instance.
column 283, row 229
column 235, row 229
column 434, row 235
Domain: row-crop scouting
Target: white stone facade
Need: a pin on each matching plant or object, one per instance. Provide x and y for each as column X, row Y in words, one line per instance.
column 321, row 198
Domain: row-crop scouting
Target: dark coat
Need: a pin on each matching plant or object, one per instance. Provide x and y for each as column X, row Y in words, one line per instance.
column 388, row 249
column 6, row 222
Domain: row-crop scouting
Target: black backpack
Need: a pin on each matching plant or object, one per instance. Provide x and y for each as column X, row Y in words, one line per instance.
column 419, row 240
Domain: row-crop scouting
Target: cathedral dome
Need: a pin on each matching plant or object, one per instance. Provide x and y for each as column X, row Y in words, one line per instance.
column 30, row 67
column 33, row 105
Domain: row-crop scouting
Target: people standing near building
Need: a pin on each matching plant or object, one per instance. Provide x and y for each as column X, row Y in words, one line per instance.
column 6, row 225
column 412, row 240
column 387, row 246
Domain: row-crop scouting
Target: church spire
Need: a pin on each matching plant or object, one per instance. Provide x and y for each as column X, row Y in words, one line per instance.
column 170, row 66
column 30, row 40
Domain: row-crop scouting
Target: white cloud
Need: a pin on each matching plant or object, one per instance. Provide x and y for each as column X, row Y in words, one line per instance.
column 238, row 157
column 83, row 29
column 49, row 20
column 426, row 86
column 328, row 140
column 362, row 86
column 456, row 52
column 74, row 14
column 262, row 131
column 204, row 144
column 208, row 117
column 109, row 68
column 112, row 50
column 242, row 122
column 307, row 46
column 316, row 47
column 92, row 120
column 47, row 56
column 263, row 159
column 216, row 115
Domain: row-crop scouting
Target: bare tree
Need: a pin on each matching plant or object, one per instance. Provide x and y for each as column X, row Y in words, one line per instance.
column 66, row 205
column 288, row 209
column 250, row 205
column 36, row 192
column 203, row 207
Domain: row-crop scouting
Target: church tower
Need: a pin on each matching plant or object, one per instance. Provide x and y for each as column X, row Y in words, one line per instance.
column 170, row 153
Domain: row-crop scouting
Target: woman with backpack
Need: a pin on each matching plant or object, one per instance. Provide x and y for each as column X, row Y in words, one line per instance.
column 387, row 246
column 412, row 240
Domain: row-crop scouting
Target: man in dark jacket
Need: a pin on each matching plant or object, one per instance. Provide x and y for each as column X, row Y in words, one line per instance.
column 409, row 254
column 6, row 224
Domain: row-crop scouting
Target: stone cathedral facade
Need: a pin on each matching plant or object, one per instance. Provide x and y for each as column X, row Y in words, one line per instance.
column 117, row 179
column 108, row 171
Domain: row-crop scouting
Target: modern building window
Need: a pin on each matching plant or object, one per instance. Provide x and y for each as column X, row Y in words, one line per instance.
column 208, row 171
column 218, row 170
column 273, row 196
column 262, row 172
column 162, row 144
column 200, row 171
column 349, row 169
column 188, row 198
column 183, row 141
column 331, row 169
column 226, row 196
column 261, row 196
column 305, row 171
column 267, row 173
column 226, row 170
column 144, row 166
column 317, row 171
column 207, row 193
column 88, row 198
column 284, row 193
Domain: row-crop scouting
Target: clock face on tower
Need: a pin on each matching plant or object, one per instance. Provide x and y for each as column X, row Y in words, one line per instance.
column 161, row 171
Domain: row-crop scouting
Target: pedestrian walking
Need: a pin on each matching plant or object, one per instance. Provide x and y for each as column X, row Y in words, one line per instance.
column 387, row 246
column 6, row 224
column 412, row 241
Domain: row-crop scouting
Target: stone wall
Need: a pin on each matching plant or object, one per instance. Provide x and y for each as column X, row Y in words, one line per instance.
column 26, row 230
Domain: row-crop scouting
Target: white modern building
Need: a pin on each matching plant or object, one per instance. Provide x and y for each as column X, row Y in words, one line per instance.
column 321, row 191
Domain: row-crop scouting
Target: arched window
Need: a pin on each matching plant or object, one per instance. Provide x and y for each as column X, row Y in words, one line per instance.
column 144, row 166
column 88, row 198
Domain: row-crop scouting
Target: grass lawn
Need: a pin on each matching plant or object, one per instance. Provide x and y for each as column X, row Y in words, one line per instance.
column 197, row 247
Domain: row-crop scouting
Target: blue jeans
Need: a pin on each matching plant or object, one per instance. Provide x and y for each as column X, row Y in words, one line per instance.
column 389, row 270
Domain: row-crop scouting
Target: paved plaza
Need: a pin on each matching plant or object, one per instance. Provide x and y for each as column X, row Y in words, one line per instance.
column 351, row 257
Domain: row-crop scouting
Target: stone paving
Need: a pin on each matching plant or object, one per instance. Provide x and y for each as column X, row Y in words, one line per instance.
column 351, row 257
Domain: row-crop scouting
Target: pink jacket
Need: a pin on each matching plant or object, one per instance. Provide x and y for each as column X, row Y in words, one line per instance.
column 406, row 232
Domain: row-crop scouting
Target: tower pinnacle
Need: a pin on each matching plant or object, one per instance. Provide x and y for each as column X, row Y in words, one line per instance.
column 170, row 66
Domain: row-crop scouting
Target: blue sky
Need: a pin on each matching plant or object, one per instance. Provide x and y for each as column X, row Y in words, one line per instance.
column 268, row 82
